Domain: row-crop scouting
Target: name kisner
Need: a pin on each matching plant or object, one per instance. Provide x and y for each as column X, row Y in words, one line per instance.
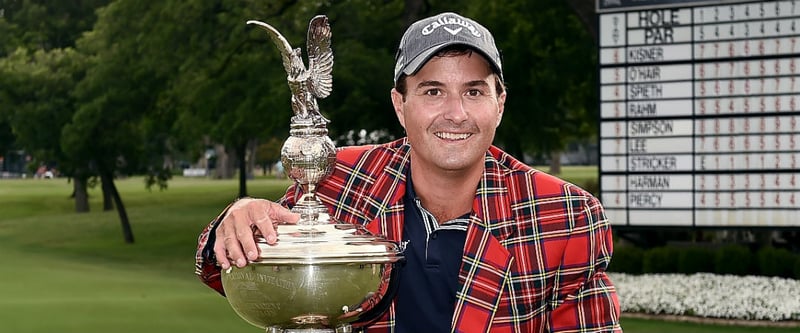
column 646, row 54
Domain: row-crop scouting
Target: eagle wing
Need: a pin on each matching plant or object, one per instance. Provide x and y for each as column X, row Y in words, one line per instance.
column 281, row 42
column 320, row 57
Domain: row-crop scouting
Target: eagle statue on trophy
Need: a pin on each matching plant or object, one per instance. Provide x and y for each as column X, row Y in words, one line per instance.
column 307, row 84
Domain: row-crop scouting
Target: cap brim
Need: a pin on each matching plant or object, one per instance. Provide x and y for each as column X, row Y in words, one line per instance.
column 416, row 64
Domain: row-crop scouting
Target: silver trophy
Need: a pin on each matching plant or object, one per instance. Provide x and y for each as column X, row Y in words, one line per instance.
column 321, row 275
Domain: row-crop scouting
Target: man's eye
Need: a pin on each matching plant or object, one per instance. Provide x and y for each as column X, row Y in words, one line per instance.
column 433, row 92
column 474, row 93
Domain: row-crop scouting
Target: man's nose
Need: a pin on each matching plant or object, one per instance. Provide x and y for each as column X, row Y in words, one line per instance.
column 455, row 110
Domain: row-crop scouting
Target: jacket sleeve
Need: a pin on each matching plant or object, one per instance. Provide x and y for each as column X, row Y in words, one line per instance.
column 584, row 299
column 205, row 261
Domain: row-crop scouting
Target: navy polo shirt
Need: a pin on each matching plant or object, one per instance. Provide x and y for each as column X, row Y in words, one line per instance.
column 428, row 282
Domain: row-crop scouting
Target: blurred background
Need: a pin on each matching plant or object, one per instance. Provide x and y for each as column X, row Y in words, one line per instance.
column 127, row 125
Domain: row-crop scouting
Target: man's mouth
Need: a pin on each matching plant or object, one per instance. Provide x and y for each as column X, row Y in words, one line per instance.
column 452, row 136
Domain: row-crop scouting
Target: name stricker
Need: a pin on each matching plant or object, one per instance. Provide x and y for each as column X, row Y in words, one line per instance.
column 653, row 163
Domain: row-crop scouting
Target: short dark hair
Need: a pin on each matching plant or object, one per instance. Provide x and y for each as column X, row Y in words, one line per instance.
column 452, row 51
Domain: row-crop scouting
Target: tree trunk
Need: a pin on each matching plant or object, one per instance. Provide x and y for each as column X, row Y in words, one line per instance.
column 240, row 155
column 127, row 232
column 108, row 203
column 555, row 163
column 251, row 158
column 80, row 194
column 223, row 164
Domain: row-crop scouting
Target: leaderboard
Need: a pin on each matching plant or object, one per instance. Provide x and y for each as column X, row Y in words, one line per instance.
column 700, row 112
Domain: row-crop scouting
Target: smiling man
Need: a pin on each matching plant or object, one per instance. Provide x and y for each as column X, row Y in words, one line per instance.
column 494, row 245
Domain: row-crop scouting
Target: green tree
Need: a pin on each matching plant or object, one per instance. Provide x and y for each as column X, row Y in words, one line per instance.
column 268, row 153
column 548, row 57
column 119, row 92
column 365, row 39
column 235, row 89
column 35, row 92
column 44, row 24
column 549, row 60
column 36, row 98
column 151, row 79
column 227, row 88
column 551, row 76
column 40, row 71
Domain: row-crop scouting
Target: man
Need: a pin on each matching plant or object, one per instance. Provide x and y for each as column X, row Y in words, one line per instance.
column 494, row 245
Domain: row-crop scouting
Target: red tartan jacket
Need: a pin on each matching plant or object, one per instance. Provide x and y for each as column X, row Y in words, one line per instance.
column 535, row 254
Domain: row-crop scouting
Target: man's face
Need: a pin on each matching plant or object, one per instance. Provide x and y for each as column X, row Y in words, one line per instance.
column 450, row 112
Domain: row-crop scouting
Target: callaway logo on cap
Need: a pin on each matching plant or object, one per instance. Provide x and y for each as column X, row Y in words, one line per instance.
column 427, row 36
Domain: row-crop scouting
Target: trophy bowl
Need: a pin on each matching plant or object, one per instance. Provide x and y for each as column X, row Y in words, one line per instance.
column 316, row 278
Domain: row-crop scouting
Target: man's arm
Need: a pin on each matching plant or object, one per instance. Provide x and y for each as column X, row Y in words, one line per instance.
column 230, row 238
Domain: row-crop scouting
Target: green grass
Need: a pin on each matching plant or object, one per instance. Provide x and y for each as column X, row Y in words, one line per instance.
column 637, row 325
column 68, row 272
column 576, row 174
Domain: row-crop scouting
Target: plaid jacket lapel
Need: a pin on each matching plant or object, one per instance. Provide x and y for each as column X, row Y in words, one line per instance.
column 367, row 187
column 486, row 263
column 383, row 203
column 373, row 184
column 484, row 271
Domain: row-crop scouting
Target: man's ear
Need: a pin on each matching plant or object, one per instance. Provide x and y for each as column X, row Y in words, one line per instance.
column 397, row 103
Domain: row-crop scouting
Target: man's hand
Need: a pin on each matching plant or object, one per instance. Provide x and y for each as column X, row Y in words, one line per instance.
column 235, row 242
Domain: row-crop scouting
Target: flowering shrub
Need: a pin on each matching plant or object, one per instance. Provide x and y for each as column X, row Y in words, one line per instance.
column 710, row 295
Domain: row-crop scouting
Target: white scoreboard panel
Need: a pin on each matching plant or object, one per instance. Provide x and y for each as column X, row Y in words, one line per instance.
column 700, row 112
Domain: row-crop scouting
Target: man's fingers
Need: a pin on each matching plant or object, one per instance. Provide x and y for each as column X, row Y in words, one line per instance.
column 238, row 238
column 222, row 255
column 228, row 250
column 263, row 223
column 268, row 216
column 281, row 214
column 231, row 239
column 235, row 242
column 244, row 233
column 234, row 251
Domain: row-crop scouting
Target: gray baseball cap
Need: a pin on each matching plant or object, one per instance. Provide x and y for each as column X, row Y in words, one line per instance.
column 427, row 36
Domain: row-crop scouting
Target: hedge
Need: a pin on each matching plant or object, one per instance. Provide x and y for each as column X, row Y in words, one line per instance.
column 728, row 259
